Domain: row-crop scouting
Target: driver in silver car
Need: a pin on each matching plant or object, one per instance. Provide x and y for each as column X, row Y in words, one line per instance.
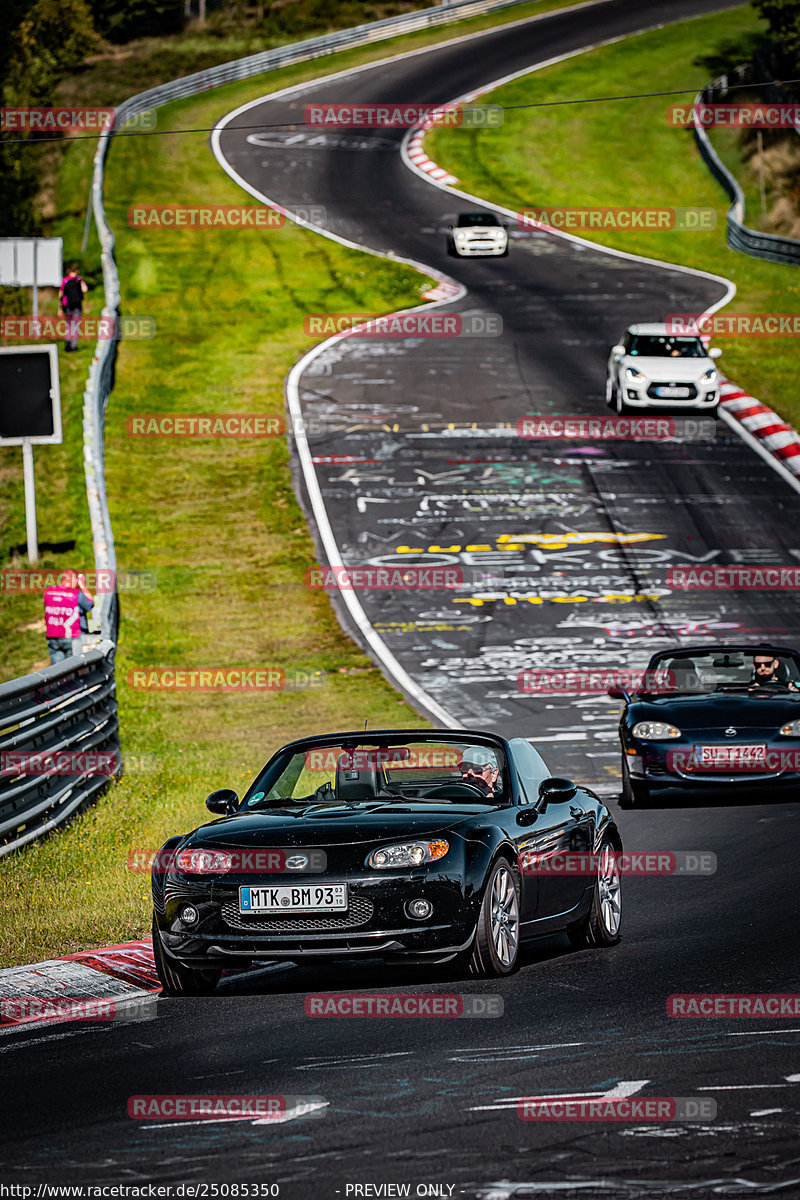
column 479, row 767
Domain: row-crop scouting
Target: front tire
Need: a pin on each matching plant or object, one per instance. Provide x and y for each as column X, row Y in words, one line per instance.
column 495, row 949
column 600, row 926
column 635, row 794
column 177, row 980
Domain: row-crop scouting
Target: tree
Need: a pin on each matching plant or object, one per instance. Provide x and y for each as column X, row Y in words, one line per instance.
column 783, row 19
column 44, row 40
column 123, row 20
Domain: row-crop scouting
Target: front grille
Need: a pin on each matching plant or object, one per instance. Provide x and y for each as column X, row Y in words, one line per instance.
column 689, row 388
column 179, row 891
column 359, row 913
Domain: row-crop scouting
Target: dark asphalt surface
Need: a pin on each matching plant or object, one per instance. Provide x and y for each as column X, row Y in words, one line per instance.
column 430, row 1102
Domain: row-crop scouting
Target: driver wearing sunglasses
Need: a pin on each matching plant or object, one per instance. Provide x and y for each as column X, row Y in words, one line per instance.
column 480, row 768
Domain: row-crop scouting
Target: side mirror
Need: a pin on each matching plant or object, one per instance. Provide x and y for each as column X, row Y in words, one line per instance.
column 618, row 694
column 528, row 815
column 555, row 790
column 715, row 352
column 224, row 802
column 617, row 351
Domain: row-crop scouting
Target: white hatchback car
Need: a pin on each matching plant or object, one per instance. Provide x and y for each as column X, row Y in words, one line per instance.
column 477, row 234
column 652, row 368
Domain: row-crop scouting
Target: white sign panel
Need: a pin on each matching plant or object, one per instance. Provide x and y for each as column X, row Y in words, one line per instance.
column 16, row 262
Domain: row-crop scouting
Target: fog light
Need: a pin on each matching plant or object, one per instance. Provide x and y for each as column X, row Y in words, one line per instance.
column 419, row 909
column 189, row 914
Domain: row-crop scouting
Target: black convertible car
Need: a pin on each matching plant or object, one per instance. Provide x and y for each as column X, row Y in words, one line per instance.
column 426, row 845
column 712, row 717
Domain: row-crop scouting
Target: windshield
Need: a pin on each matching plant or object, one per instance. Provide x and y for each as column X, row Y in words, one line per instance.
column 466, row 219
column 456, row 770
column 743, row 669
column 663, row 346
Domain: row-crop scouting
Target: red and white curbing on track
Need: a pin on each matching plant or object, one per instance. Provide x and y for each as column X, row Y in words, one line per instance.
column 118, row 979
column 770, row 431
column 416, row 152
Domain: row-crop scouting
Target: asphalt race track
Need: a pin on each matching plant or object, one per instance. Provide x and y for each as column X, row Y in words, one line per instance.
column 564, row 546
column 434, row 1102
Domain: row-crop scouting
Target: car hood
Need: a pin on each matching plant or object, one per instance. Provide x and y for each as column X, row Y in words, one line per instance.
column 682, row 370
column 333, row 824
column 707, row 712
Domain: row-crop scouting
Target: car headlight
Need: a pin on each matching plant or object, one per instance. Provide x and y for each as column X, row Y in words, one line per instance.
column 790, row 730
column 408, row 854
column 654, row 731
column 204, row 862
column 709, row 376
column 635, row 375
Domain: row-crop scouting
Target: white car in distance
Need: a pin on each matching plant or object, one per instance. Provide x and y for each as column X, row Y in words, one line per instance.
column 477, row 235
column 653, row 368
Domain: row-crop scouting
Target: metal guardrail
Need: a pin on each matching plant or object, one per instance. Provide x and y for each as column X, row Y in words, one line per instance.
column 739, row 236
column 68, row 710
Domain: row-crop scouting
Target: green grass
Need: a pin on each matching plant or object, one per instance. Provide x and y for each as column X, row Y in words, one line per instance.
column 624, row 153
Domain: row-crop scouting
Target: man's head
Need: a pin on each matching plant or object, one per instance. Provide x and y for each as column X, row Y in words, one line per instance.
column 765, row 668
column 479, row 767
